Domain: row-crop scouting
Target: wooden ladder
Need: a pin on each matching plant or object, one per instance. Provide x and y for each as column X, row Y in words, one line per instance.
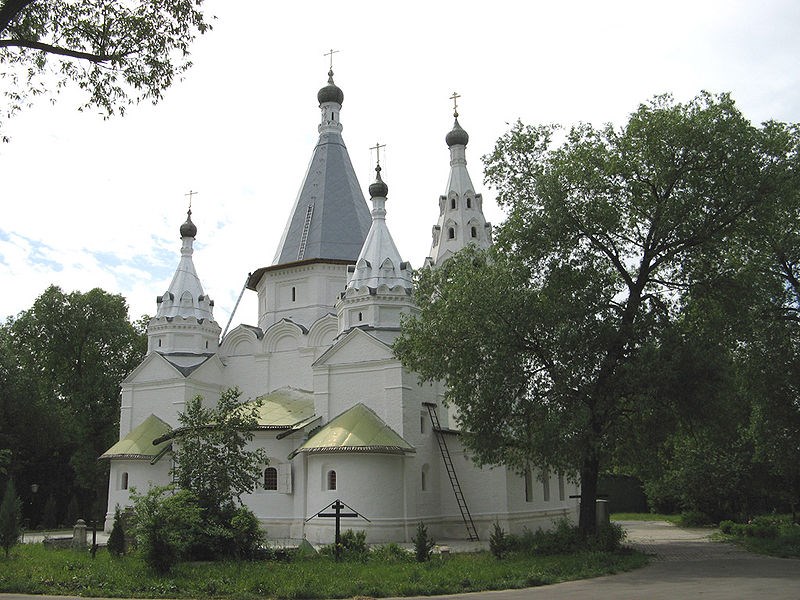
column 472, row 533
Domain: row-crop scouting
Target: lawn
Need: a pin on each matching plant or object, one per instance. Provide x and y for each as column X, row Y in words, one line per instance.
column 32, row 569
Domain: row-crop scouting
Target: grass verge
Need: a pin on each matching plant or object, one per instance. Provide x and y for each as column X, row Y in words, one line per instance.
column 674, row 519
column 32, row 569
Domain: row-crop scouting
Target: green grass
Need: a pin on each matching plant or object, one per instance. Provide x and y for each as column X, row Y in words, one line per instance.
column 32, row 569
column 674, row 519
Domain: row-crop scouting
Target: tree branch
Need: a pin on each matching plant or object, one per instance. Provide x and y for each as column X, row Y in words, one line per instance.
column 50, row 49
column 10, row 9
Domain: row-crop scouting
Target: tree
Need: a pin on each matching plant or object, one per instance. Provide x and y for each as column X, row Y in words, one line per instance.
column 117, row 53
column 116, row 540
column 10, row 518
column 61, row 365
column 211, row 459
column 544, row 342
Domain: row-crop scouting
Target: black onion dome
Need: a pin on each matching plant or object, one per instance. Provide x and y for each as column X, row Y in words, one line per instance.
column 331, row 92
column 457, row 136
column 378, row 189
column 188, row 229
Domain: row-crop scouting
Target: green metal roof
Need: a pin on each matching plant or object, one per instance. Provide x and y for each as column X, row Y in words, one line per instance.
column 358, row 429
column 139, row 442
column 285, row 408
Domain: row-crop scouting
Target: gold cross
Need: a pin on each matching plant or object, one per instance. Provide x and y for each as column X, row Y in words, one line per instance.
column 377, row 147
column 331, row 53
column 455, row 98
column 190, row 194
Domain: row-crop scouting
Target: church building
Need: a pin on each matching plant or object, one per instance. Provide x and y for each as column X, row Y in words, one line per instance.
column 340, row 417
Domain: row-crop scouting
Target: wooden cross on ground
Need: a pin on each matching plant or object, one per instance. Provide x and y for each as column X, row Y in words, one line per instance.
column 337, row 506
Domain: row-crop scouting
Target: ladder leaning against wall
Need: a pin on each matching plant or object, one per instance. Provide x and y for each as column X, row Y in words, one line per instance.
column 472, row 533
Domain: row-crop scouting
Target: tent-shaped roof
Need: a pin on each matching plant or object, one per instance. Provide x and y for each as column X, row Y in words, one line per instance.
column 138, row 444
column 358, row 429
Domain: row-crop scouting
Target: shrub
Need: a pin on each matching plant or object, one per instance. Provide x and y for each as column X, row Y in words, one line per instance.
column 166, row 522
column 423, row 545
column 116, row 541
column 726, row 527
column 565, row 538
column 352, row 544
column 694, row 518
column 608, row 538
column 390, row 553
column 10, row 518
column 498, row 542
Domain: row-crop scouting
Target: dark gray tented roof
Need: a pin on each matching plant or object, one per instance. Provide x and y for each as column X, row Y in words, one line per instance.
column 330, row 205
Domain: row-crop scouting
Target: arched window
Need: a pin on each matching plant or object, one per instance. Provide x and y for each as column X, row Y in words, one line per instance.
column 473, row 232
column 424, row 478
column 469, row 202
column 123, row 481
column 452, row 202
column 360, row 317
column 331, row 480
column 270, row 478
column 451, row 233
column 294, row 293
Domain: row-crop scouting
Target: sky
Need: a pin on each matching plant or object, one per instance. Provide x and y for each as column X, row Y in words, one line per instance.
column 88, row 202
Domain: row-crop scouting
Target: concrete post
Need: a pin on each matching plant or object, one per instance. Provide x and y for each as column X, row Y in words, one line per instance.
column 79, row 534
column 601, row 508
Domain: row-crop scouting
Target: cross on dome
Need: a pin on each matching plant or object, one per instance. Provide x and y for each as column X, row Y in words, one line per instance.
column 377, row 147
column 331, row 53
column 455, row 98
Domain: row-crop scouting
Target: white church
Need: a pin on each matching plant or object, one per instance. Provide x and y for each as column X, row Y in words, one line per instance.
column 340, row 417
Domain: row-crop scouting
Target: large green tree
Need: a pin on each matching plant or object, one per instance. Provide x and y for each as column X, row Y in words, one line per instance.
column 116, row 53
column 543, row 343
column 61, row 364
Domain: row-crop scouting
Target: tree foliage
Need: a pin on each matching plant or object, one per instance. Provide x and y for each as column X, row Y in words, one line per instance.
column 116, row 53
column 211, row 455
column 61, row 365
column 609, row 231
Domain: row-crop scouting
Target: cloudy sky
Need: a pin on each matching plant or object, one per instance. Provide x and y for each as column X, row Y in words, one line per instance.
column 91, row 203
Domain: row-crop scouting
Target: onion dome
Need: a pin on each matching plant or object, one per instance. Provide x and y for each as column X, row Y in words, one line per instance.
column 331, row 92
column 378, row 189
column 456, row 136
column 188, row 229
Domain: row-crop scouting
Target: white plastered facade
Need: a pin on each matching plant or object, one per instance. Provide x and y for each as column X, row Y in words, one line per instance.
column 324, row 330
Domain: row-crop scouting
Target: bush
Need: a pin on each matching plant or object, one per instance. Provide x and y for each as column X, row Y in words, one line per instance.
column 423, row 545
column 390, row 553
column 116, row 541
column 352, row 544
column 565, row 538
column 694, row 518
column 166, row 523
column 498, row 542
column 726, row 527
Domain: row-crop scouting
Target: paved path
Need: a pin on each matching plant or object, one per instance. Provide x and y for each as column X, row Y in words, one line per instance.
column 685, row 565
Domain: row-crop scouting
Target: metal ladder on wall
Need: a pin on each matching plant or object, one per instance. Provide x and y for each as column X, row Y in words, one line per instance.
column 472, row 533
column 304, row 236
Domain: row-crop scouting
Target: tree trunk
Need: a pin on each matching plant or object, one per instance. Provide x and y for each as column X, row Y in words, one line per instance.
column 587, row 518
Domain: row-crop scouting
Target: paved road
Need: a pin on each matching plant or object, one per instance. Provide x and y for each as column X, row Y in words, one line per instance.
column 685, row 565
